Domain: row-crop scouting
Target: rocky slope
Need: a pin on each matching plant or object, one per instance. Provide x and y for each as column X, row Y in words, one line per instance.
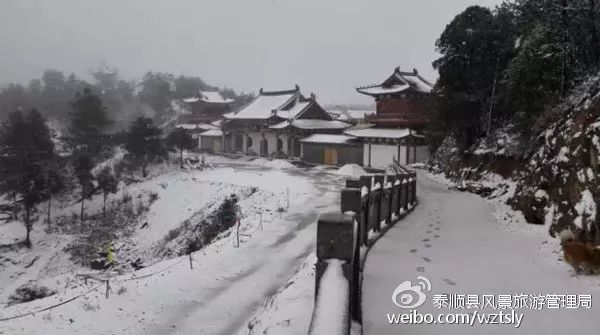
column 556, row 173
column 559, row 184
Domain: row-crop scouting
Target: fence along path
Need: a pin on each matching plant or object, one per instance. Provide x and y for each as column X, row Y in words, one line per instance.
column 369, row 206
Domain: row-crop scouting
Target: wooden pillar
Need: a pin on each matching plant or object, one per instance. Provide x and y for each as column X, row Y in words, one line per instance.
column 369, row 153
column 414, row 153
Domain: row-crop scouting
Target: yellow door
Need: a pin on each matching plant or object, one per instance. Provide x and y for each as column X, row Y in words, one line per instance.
column 331, row 156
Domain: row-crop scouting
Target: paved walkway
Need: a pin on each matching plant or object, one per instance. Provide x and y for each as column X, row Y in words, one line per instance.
column 452, row 239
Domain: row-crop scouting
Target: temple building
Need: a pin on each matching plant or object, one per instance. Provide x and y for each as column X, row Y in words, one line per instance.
column 206, row 108
column 274, row 123
column 403, row 101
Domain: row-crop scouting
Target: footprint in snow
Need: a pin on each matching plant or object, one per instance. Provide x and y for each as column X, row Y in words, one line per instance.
column 436, row 236
column 449, row 282
column 421, row 269
column 427, row 245
column 413, row 251
column 425, row 240
column 426, row 259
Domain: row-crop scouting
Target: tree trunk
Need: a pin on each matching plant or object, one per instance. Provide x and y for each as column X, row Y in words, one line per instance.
column 594, row 32
column 49, row 206
column 565, row 37
column 15, row 206
column 104, row 205
column 181, row 157
column 27, row 228
column 144, row 169
column 82, row 201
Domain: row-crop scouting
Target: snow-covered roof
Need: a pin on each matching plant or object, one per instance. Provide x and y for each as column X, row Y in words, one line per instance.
column 327, row 138
column 398, row 82
column 296, row 110
column 194, row 126
column 188, row 126
column 211, row 97
column 213, row 133
column 311, row 124
column 376, row 90
column 214, row 97
column 393, row 133
column 266, row 105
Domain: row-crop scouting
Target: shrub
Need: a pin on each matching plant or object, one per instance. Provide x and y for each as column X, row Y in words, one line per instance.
column 152, row 197
column 29, row 292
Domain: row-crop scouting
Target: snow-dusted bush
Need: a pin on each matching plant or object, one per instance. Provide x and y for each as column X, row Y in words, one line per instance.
column 29, row 292
column 193, row 235
column 121, row 219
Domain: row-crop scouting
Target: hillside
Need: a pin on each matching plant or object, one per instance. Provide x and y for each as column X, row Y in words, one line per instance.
column 555, row 174
column 277, row 204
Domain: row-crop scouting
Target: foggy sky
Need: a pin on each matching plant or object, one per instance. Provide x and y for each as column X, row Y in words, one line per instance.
column 326, row 46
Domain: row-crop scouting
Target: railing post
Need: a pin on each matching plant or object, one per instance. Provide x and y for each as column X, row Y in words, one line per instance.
column 414, row 188
column 375, row 201
column 364, row 215
column 389, row 187
column 396, row 198
column 404, row 192
column 352, row 201
column 336, row 239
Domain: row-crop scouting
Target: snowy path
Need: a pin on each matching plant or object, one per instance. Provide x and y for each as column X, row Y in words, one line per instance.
column 227, row 286
column 453, row 239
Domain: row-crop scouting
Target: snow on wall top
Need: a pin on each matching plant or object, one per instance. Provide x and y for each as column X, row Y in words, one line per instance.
column 311, row 124
column 213, row 132
column 393, row 133
column 327, row 138
column 265, row 106
column 331, row 306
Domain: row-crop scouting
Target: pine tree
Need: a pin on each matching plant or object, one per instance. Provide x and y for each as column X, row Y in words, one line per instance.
column 182, row 140
column 28, row 148
column 107, row 182
column 144, row 143
column 474, row 48
column 88, row 122
column 83, row 165
column 54, row 182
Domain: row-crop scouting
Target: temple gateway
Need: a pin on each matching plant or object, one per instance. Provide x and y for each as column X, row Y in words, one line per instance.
column 403, row 104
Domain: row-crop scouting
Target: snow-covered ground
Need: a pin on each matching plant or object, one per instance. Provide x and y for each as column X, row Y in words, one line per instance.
column 253, row 288
column 466, row 245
